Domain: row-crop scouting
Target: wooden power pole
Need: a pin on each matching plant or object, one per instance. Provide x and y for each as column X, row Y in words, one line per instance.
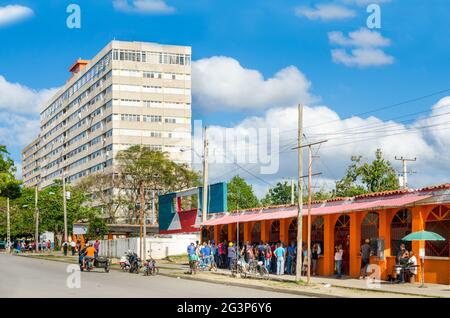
column 298, row 271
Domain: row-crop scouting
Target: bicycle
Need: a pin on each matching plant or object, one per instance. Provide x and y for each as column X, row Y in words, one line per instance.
column 256, row 268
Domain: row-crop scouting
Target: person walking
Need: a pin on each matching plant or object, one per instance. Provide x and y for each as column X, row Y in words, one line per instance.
column 338, row 260
column 72, row 247
column 280, row 254
column 365, row 258
column 65, row 247
column 192, row 255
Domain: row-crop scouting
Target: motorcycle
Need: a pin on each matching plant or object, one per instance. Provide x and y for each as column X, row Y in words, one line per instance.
column 124, row 263
column 150, row 267
column 88, row 264
column 91, row 263
column 135, row 263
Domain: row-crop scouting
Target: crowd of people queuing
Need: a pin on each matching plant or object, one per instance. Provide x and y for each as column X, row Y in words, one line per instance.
column 277, row 258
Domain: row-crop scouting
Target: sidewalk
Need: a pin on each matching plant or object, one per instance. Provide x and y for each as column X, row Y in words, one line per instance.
column 430, row 290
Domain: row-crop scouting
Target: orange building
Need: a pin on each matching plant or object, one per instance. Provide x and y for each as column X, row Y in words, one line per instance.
column 384, row 218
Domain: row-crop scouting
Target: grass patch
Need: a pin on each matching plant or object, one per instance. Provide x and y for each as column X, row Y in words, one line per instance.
column 178, row 259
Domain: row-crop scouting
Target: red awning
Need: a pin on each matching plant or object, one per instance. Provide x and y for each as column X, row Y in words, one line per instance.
column 316, row 210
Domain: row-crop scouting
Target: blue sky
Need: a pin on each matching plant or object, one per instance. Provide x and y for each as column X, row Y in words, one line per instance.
column 262, row 35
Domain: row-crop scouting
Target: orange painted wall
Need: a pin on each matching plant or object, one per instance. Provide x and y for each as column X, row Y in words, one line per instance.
column 436, row 270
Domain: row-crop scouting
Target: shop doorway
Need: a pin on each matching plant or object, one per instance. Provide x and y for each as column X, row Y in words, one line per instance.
column 342, row 237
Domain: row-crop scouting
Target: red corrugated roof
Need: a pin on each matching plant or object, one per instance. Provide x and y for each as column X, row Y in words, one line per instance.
column 288, row 212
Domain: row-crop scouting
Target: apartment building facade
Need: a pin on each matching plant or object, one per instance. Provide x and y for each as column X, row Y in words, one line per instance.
column 130, row 93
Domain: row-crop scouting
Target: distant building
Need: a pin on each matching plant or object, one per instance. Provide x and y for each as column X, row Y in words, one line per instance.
column 130, row 93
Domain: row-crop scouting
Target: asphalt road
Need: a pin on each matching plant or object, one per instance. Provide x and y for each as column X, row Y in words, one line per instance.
column 30, row 277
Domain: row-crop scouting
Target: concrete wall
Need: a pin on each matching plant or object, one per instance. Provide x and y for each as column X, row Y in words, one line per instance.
column 158, row 247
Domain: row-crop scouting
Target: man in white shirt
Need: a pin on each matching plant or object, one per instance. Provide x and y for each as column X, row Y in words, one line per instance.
column 412, row 262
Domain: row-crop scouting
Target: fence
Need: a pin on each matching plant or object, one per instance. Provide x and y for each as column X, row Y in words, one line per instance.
column 157, row 247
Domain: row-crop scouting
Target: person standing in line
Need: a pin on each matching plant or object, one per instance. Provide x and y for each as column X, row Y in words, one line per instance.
column 280, row 254
column 291, row 254
column 338, row 260
column 365, row 258
column 267, row 257
column 231, row 255
column 314, row 257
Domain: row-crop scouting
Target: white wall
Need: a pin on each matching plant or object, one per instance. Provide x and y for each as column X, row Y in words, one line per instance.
column 158, row 246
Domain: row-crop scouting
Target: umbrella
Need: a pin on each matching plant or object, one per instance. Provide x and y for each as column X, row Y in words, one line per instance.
column 423, row 236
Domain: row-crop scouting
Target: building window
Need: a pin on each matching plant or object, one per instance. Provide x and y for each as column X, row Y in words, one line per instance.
column 256, row 233
column 317, row 231
column 369, row 230
column 130, row 117
column 152, row 118
column 224, row 233
column 400, row 227
column 438, row 221
column 274, row 235
column 292, row 231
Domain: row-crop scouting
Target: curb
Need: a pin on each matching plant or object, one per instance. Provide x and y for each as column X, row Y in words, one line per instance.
column 265, row 288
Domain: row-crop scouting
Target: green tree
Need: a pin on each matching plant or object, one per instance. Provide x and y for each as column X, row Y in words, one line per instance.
column 97, row 227
column 363, row 177
column 139, row 165
column 9, row 186
column 279, row 194
column 240, row 195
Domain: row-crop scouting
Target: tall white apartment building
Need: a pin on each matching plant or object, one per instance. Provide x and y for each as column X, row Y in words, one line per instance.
column 130, row 93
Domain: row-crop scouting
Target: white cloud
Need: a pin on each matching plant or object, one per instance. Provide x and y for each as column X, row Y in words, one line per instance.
column 426, row 138
column 17, row 131
column 360, row 38
column 222, row 82
column 143, row 6
column 14, row 13
column 17, row 98
column 362, row 57
column 365, row 2
column 366, row 48
column 346, row 137
column 325, row 12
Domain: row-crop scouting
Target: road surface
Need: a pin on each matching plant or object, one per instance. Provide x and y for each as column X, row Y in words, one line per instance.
column 30, row 277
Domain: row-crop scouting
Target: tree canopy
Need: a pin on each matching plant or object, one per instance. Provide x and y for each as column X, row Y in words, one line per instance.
column 363, row 177
column 9, row 186
column 240, row 195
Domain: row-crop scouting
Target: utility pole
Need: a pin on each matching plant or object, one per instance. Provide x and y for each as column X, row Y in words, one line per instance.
column 292, row 192
column 300, row 199
column 205, row 176
column 310, row 174
column 141, row 219
column 36, row 234
column 65, row 206
column 153, row 207
column 8, row 227
column 298, row 271
column 405, row 172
